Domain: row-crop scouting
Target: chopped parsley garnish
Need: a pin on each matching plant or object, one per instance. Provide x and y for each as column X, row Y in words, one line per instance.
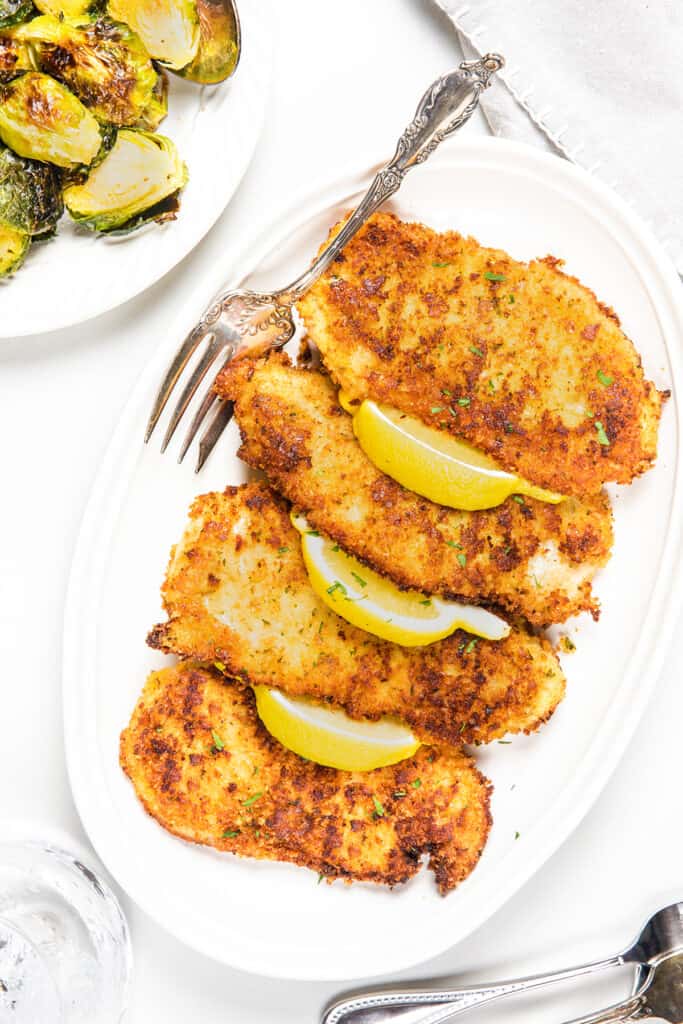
column 536, row 583
column 505, row 741
column 436, row 408
column 453, row 544
column 518, row 498
column 379, row 810
column 282, row 551
column 320, row 878
column 462, row 560
column 231, row 834
column 219, row 665
column 312, row 533
column 446, row 393
column 359, row 579
column 516, row 835
column 602, row 436
column 336, row 548
column 492, row 386
column 438, row 263
column 251, row 800
column 217, row 741
column 604, row 379
column 471, row 645
column 476, row 351
column 416, row 784
column 427, row 601
column 511, row 299
column 494, row 277
column 337, row 585
column 464, row 401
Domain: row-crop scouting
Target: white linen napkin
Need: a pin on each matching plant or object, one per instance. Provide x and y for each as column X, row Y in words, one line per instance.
column 600, row 81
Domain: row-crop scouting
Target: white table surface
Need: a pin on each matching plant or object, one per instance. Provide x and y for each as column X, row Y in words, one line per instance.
column 345, row 78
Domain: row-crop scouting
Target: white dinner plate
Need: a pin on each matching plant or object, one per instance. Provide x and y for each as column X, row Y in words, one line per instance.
column 78, row 275
column 275, row 919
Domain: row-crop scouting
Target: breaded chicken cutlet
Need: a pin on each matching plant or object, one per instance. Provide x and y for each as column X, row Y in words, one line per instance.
column 520, row 359
column 237, row 594
column 207, row 770
column 531, row 558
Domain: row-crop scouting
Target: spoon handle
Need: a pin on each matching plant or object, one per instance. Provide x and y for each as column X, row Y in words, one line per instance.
column 400, row 1005
column 447, row 104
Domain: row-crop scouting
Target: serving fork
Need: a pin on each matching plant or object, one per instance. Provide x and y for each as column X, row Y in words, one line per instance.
column 240, row 322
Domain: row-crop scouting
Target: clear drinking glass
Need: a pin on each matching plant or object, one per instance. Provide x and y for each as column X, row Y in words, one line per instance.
column 65, row 954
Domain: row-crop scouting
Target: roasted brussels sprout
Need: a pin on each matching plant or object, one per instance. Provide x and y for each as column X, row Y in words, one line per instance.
column 168, row 28
column 14, row 11
column 42, row 120
column 15, row 56
column 103, row 63
column 138, row 181
column 219, row 43
column 30, row 206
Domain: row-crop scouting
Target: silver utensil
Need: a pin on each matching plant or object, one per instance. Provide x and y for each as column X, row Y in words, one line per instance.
column 659, row 940
column 242, row 322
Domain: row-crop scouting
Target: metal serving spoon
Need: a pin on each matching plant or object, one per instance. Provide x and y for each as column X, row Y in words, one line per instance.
column 658, row 942
column 242, row 322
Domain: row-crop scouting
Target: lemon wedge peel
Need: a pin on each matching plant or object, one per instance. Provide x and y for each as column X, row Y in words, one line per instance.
column 373, row 603
column 445, row 469
column 329, row 737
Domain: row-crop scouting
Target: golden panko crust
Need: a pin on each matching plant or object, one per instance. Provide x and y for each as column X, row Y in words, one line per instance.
column 237, row 593
column 520, row 359
column 529, row 557
column 206, row 769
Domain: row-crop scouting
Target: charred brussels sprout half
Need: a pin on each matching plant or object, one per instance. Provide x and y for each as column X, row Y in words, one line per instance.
column 30, row 206
column 103, row 63
column 15, row 56
column 219, row 43
column 168, row 28
column 14, row 11
column 138, row 181
column 42, row 120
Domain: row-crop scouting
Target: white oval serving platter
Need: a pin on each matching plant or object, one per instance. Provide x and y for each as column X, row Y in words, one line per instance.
column 77, row 275
column 275, row 919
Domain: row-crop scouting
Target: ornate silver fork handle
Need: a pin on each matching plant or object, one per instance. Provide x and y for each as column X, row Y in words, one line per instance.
column 243, row 322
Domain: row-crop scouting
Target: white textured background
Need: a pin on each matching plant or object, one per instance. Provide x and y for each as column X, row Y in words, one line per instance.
column 346, row 78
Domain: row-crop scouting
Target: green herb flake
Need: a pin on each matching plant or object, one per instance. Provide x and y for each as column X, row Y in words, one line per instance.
column 336, row 548
column 282, row 551
column 516, row 835
column 471, row 645
column 320, row 878
column 436, row 408
column 416, row 784
column 536, row 583
column 217, row 741
column 379, row 810
column 464, row 401
column 251, row 800
column 312, row 533
column 518, row 498
column 504, row 742
column 511, row 299
column 602, row 436
column 439, row 263
column 452, row 544
column 359, row 579
column 446, row 393
column 337, row 585
column 494, row 277
column 219, row 665
column 231, row 834
column 427, row 602
column 604, row 379
column 476, row 351
column 492, row 386
column 462, row 559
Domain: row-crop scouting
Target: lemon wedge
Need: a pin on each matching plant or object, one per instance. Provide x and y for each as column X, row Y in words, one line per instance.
column 439, row 467
column 375, row 604
column 329, row 737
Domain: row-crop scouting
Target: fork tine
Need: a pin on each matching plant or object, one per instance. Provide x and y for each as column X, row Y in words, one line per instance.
column 209, row 438
column 178, row 364
column 190, row 389
column 209, row 400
